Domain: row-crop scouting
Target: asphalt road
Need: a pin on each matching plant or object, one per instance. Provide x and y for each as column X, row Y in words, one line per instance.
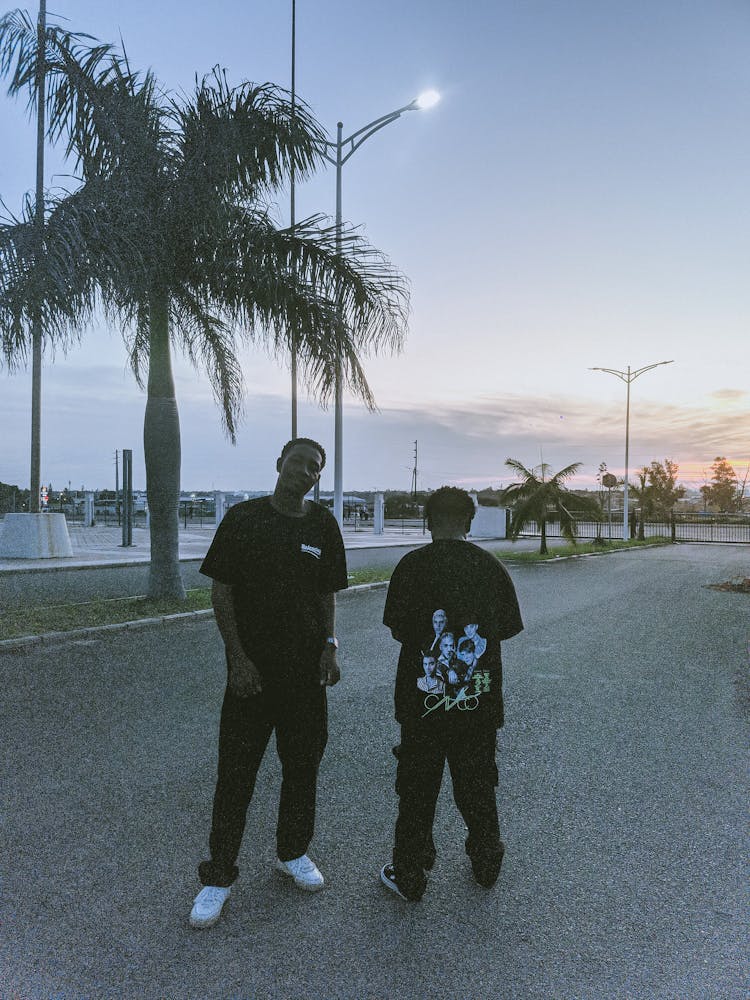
column 623, row 791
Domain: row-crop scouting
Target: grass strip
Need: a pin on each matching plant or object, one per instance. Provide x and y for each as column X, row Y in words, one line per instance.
column 579, row 549
column 23, row 621
column 37, row 620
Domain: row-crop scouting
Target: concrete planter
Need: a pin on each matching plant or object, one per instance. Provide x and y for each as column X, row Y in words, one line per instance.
column 34, row 536
column 489, row 522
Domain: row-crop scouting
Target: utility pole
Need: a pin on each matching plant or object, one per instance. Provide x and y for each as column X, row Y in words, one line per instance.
column 414, row 475
column 36, row 331
column 292, row 222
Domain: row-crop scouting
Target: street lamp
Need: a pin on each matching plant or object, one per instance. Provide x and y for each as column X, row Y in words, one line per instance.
column 425, row 100
column 628, row 377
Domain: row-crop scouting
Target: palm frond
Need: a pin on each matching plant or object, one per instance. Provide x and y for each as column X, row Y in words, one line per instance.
column 60, row 284
column 522, row 471
column 528, row 508
column 19, row 55
column 209, row 344
column 566, row 473
column 110, row 115
column 290, row 289
column 137, row 337
column 18, row 44
column 49, row 284
column 245, row 139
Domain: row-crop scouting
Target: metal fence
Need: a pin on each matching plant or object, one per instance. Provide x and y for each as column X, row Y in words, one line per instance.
column 678, row 527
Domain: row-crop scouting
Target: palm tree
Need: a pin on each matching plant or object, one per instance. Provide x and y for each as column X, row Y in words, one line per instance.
column 192, row 257
column 541, row 496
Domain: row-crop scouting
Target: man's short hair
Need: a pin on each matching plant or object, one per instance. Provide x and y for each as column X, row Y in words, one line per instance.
column 449, row 503
column 308, row 441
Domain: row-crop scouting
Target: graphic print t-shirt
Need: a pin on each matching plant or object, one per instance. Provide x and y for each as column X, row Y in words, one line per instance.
column 450, row 604
column 278, row 567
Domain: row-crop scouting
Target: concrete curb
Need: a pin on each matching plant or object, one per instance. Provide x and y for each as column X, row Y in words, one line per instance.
column 137, row 625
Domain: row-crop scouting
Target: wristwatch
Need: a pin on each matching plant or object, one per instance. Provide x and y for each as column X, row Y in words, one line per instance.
column 333, row 641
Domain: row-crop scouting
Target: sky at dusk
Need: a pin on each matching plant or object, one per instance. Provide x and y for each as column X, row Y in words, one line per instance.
column 578, row 198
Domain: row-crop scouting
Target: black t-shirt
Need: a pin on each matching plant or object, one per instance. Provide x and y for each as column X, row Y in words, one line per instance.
column 450, row 604
column 278, row 567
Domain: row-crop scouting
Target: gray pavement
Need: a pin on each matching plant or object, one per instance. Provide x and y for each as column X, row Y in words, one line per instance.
column 623, row 797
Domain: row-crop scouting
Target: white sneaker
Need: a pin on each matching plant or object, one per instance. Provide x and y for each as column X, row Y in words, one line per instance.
column 304, row 872
column 208, row 905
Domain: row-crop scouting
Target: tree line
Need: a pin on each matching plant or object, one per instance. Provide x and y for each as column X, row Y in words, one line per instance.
column 657, row 491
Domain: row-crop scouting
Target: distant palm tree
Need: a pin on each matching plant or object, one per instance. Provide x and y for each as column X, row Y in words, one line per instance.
column 541, row 496
column 181, row 246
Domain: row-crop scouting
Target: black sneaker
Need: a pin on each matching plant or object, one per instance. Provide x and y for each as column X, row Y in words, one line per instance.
column 487, row 869
column 388, row 878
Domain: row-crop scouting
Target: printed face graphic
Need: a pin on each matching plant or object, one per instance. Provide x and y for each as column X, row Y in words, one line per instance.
column 439, row 621
column 428, row 665
column 447, row 646
column 466, row 655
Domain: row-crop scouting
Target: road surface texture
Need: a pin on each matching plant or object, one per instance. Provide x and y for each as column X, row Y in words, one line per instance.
column 623, row 791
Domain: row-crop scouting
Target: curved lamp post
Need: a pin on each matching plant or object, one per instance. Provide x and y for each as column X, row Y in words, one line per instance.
column 628, row 377
column 342, row 150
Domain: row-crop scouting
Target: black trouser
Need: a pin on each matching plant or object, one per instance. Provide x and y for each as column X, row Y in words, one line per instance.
column 470, row 752
column 298, row 713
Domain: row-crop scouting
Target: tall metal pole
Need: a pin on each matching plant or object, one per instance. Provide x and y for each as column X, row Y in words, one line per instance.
column 353, row 142
column 291, row 223
column 338, row 432
column 625, row 531
column 628, row 377
column 36, row 326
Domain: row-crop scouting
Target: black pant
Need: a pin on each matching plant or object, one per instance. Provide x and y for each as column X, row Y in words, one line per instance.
column 470, row 752
column 298, row 713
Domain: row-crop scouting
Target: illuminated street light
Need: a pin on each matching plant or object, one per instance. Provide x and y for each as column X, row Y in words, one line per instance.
column 427, row 99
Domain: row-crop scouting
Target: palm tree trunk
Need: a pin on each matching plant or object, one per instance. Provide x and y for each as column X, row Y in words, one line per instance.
column 543, row 545
column 161, row 447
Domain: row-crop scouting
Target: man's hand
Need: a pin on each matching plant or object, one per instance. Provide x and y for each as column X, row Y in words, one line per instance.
column 244, row 679
column 329, row 667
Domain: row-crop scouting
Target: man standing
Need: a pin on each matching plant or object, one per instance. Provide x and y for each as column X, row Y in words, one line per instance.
column 471, row 591
column 276, row 564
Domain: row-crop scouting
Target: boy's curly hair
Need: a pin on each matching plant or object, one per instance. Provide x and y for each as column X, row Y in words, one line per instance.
column 309, row 441
column 449, row 502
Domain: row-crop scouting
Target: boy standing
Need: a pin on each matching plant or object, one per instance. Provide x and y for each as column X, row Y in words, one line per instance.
column 276, row 564
column 475, row 594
